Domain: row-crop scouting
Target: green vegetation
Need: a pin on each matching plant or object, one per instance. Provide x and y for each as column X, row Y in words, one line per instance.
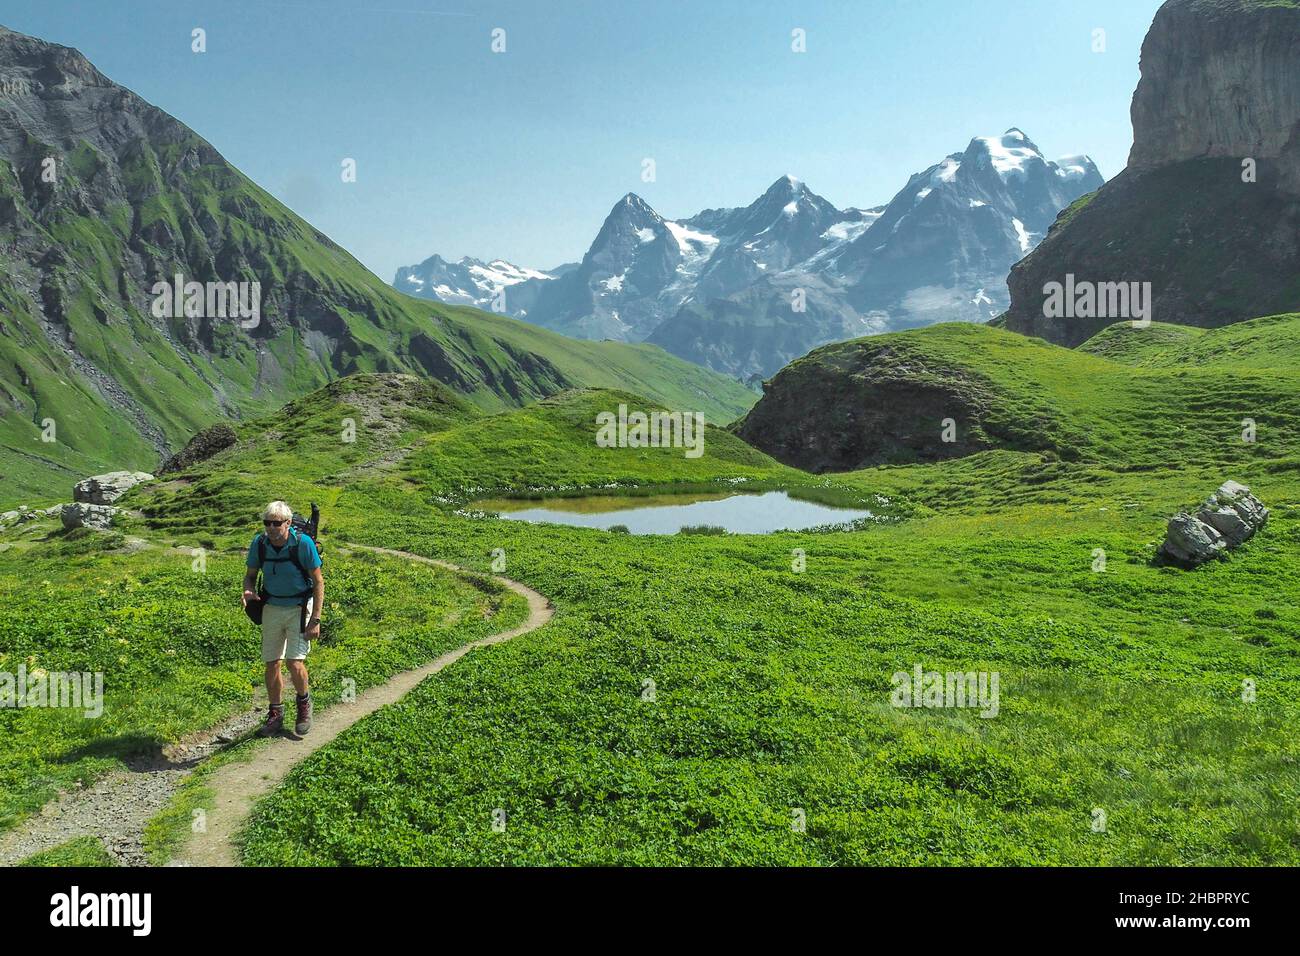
column 178, row 375
column 164, row 627
column 1131, row 399
column 1072, row 210
column 695, row 689
column 1269, row 344
column 81, row 851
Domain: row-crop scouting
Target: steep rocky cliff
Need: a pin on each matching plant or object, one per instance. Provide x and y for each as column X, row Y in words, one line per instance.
column 1208, row 210
column 1220, row 79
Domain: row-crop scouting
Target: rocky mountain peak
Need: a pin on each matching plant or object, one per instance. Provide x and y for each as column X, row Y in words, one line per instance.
column 1219, row 79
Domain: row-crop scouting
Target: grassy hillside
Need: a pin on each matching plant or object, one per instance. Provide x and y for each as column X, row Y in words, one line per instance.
column 147, row 199
column 164, row 627
column 145, row 392
column 1269, row 344
column 1166, row 404
column 1122, row 684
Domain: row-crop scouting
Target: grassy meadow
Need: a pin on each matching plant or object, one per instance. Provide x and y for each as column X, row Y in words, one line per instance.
column 725, row 699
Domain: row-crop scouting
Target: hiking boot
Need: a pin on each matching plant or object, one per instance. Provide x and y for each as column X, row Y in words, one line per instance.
column 304, row 714
column 274, row 722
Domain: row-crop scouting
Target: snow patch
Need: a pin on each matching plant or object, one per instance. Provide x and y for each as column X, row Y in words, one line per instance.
column 1010, row 153
column 847, row 231
column 499, row 273
column 1073, row 167
column 1023, row 235
column 947, row 170
column 696, row 247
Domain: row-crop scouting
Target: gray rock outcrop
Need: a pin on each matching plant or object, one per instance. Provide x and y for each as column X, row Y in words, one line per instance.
column 23, row 513
column 1219, row 80
column 1205, row 217
column 107, row 488
column 80, row 514
column 1227, row 519
column 201, row 447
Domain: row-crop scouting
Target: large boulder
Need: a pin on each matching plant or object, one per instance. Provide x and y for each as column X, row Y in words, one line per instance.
column 201, row 447
column 1229, row 517
column 105, row 489
column 79, row 514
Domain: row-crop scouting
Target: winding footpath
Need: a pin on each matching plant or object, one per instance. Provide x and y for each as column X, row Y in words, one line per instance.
column 117, row 808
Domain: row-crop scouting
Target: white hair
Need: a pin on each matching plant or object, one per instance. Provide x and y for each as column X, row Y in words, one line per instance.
column 278, row 511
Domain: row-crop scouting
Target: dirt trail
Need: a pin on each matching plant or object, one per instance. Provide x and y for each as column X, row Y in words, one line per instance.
column 117, row 808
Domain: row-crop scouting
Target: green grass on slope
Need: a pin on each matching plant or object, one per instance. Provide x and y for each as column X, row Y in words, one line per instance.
column 1271, row 343
column 181, row 375
column 177, row 654
column 81, row 851
column 445, row 448
column 693, row 691
column 643, row 369
column 1182, row 407
column 1122, row 685
column 1123, row 343
column 1120, row 690
column 550, row 448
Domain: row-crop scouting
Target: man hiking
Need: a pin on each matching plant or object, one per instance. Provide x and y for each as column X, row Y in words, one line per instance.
column 294, row 589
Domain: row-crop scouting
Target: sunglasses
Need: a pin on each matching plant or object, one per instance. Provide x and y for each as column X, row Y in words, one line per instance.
column 273, row 524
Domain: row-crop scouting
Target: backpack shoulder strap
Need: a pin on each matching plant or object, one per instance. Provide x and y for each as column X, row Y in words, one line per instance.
column 261, row 549
column 296, row 542
column 297, row 563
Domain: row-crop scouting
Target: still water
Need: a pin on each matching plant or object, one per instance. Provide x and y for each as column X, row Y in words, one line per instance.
column 667, row 514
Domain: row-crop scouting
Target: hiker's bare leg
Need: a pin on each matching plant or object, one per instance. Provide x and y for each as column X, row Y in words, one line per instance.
column 298, row 674
column 274, row 682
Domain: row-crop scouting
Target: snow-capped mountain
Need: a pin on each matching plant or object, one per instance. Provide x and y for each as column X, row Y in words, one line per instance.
column 496, row 286
column 942, row 249
column 639, row 268
column 785, row 225
column 642, row 268
column 939, row 252
column 745, row 290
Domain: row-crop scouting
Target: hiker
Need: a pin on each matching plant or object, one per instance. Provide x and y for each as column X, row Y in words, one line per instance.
column 293, row 589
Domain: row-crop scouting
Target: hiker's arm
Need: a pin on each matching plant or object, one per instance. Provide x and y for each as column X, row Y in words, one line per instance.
column 317, row 602
column 250, row 583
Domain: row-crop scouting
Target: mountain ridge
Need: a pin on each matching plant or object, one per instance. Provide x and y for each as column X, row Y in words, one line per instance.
column 720, row 287
column 104, row 196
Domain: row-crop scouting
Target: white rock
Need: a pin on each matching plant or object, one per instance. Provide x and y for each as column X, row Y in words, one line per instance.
column 107, row 488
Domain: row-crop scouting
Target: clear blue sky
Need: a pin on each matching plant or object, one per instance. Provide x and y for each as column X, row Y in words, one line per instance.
column 520, row 155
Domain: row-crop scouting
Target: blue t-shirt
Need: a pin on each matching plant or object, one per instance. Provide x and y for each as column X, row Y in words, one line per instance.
column 282, row 580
